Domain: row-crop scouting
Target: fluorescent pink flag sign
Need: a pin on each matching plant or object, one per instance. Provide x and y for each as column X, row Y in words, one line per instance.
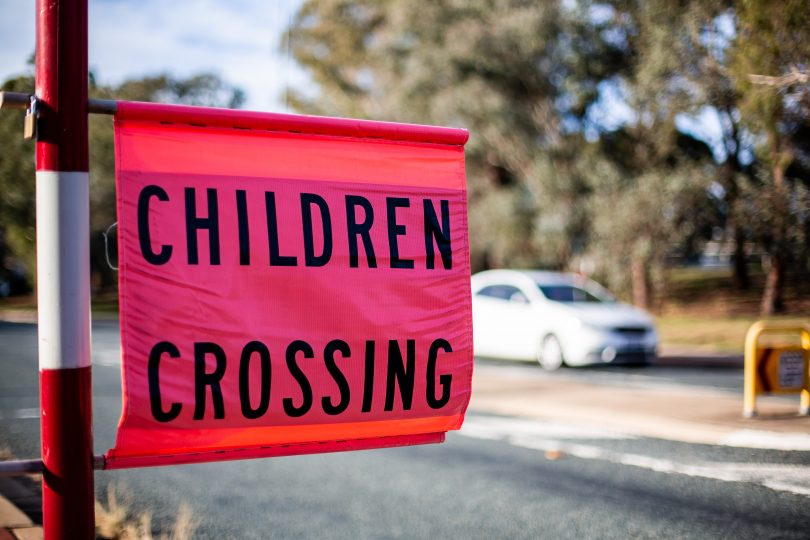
column 288, row 284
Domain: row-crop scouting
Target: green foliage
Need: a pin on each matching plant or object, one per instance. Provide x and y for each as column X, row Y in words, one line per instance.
column 514, row 73
column 17, row 206
column 17, row 217
column 773, row 41
column 769, row 67
column 578, row 157
column 524, row 78
column 555, row 180
column 641, row 218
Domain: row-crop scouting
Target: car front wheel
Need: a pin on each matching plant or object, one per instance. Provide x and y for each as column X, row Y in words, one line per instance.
column 550, row 354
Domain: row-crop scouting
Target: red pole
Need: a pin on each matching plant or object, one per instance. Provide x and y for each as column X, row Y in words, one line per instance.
column 63, row 273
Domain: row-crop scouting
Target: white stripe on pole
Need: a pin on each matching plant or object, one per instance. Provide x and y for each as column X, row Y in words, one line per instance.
column 63, row 269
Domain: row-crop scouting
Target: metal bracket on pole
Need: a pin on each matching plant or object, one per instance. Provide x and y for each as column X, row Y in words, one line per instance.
column 22, row 101
column 31, row 119
column 106, row 235
column 19, row 100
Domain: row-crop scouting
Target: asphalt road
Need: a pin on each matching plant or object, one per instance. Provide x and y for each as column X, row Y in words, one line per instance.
column 719, row 373
column 495, row 479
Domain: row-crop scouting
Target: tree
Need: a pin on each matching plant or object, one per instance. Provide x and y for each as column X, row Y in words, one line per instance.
column 687, row 50
column 202, row 90
column 519, row 75
column 17, row 217
column 548, row 159
column 769, row 67
column 690, row 58
column 648, row 197
column 648, row 179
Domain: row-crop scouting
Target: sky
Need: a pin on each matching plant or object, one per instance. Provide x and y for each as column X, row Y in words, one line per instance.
column 238, row 40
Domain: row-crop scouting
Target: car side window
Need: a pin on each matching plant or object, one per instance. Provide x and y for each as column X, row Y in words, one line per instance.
column 508, row 293
column 490, row 291
column 518, row 297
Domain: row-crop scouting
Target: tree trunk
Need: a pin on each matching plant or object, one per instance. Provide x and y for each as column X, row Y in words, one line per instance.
column 641, row 289
column 772, row 297
column 772, row 301
column 741, row 279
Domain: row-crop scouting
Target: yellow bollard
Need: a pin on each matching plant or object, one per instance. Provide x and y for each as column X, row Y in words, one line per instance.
column 789, row 375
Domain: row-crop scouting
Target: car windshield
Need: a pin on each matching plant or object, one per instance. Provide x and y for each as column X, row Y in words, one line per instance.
column 569, row 293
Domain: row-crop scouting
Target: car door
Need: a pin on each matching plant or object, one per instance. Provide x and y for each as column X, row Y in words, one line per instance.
column 503, row 322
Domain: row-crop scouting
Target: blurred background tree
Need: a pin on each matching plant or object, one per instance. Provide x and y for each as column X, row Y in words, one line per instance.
column 17, row 206
column 617, row 138
column 589, row 149
column 770, row 67
column 521, row 76
column 204, row 89
column 17, row 221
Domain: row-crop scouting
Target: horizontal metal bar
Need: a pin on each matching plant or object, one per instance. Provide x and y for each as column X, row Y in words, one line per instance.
column 21, row 467
column 14, row 100
column 21, row 100
column 102, row 106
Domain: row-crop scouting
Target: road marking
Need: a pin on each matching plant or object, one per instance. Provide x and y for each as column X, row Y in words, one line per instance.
column 493, row 427
column 749, row 438
column 547, row 438
column 779, row 486
column 19, row 414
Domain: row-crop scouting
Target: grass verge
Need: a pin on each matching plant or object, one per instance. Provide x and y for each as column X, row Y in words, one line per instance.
column 116, row 520
column 703, row 310
column 714, row 334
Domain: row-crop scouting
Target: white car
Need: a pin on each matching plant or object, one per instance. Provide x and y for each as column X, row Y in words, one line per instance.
column 556, row 319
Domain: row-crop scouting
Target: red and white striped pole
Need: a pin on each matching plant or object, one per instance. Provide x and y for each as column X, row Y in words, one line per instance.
column 63, row 270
